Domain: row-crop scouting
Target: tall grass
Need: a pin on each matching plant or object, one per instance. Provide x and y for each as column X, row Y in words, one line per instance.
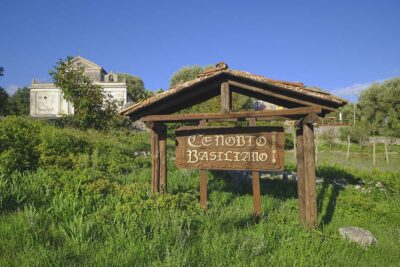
column 95, row 208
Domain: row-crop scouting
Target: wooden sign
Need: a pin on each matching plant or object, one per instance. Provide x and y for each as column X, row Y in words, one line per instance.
column 230, row 148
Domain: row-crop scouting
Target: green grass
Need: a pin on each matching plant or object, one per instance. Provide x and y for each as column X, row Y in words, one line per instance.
column 83, row 215
column 358, row 160
column 179, row 234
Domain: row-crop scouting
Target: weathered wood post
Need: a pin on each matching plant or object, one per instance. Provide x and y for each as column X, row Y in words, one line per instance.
column 203, row 180
column 158, row 157
column 316, row 146
column 300, row 174
column 256, row 185
column 309, row 174
column 163, row 158
column 226, row 98
column 306, row 171
column 294, row 142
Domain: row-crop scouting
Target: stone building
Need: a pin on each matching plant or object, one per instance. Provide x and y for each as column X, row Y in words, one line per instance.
column 46, row 100
column 264, row 105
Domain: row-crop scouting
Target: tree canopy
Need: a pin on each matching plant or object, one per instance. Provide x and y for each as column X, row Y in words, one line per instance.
column 3, row 102
column 18, row 103
column 379, row 105
column 135, row 86
column 92, row 108
column 3, row 96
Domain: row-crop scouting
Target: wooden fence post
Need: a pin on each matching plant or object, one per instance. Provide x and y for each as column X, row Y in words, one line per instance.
column 373, row 153
column 348, row 147
column 386, row 151
column 256, row 185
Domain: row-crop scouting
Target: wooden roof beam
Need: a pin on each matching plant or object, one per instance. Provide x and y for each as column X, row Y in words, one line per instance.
column 281, row 96
column 293, row 114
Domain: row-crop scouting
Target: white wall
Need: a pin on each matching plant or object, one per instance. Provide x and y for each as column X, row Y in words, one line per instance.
column 48, row 101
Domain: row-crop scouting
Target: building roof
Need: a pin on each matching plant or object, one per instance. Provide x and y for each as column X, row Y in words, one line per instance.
column 206, row 85
column 89, row 63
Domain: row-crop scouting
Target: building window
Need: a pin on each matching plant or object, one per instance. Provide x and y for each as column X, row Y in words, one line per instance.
column 111, row 78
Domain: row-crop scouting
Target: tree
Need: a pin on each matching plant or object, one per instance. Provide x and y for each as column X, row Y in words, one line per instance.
column 347, row 112
column 3, row 97
column 186, row 74
column 239, row 102
column 19, row 102
column 3, row 102
column 92, row 107
column 135, row 87
column 380, row 107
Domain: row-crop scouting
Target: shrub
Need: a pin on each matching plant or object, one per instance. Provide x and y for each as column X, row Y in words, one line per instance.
column 19, row 140
column 344, row 132
column 329, row 137
column 59, row 147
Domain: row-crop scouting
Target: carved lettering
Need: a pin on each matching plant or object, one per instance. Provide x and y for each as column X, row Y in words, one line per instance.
column 192, row 156
column 240, row 140
column 247, row 148
column 226, row 156
column 206, row 141
column 191, row 140
column 261, row 141
column 219, row 140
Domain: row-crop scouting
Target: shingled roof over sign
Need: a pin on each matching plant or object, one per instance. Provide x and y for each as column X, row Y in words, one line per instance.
column 207, row 85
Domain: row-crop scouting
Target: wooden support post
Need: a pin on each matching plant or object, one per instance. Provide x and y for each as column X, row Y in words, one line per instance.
column 158, row 157
column 226, row 98
column 203, row 189
column 306, row 170
column 316, row 147
column 309, row 174
column 300, row 175
column 294, row 142
column 155, row 159
column 256, row 185
column 373, row 153
column 203, row 180
column 163, row 158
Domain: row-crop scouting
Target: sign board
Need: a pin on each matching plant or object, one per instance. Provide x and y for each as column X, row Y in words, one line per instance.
column 230, row 148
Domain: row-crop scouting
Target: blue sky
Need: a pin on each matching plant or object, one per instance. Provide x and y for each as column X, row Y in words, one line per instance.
column 340, row 46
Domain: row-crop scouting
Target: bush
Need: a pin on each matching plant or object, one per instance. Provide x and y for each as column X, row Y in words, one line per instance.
column 60, row 147
column 344, row 132
column 329, row 137
column 360, row 133
column 19, row 140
